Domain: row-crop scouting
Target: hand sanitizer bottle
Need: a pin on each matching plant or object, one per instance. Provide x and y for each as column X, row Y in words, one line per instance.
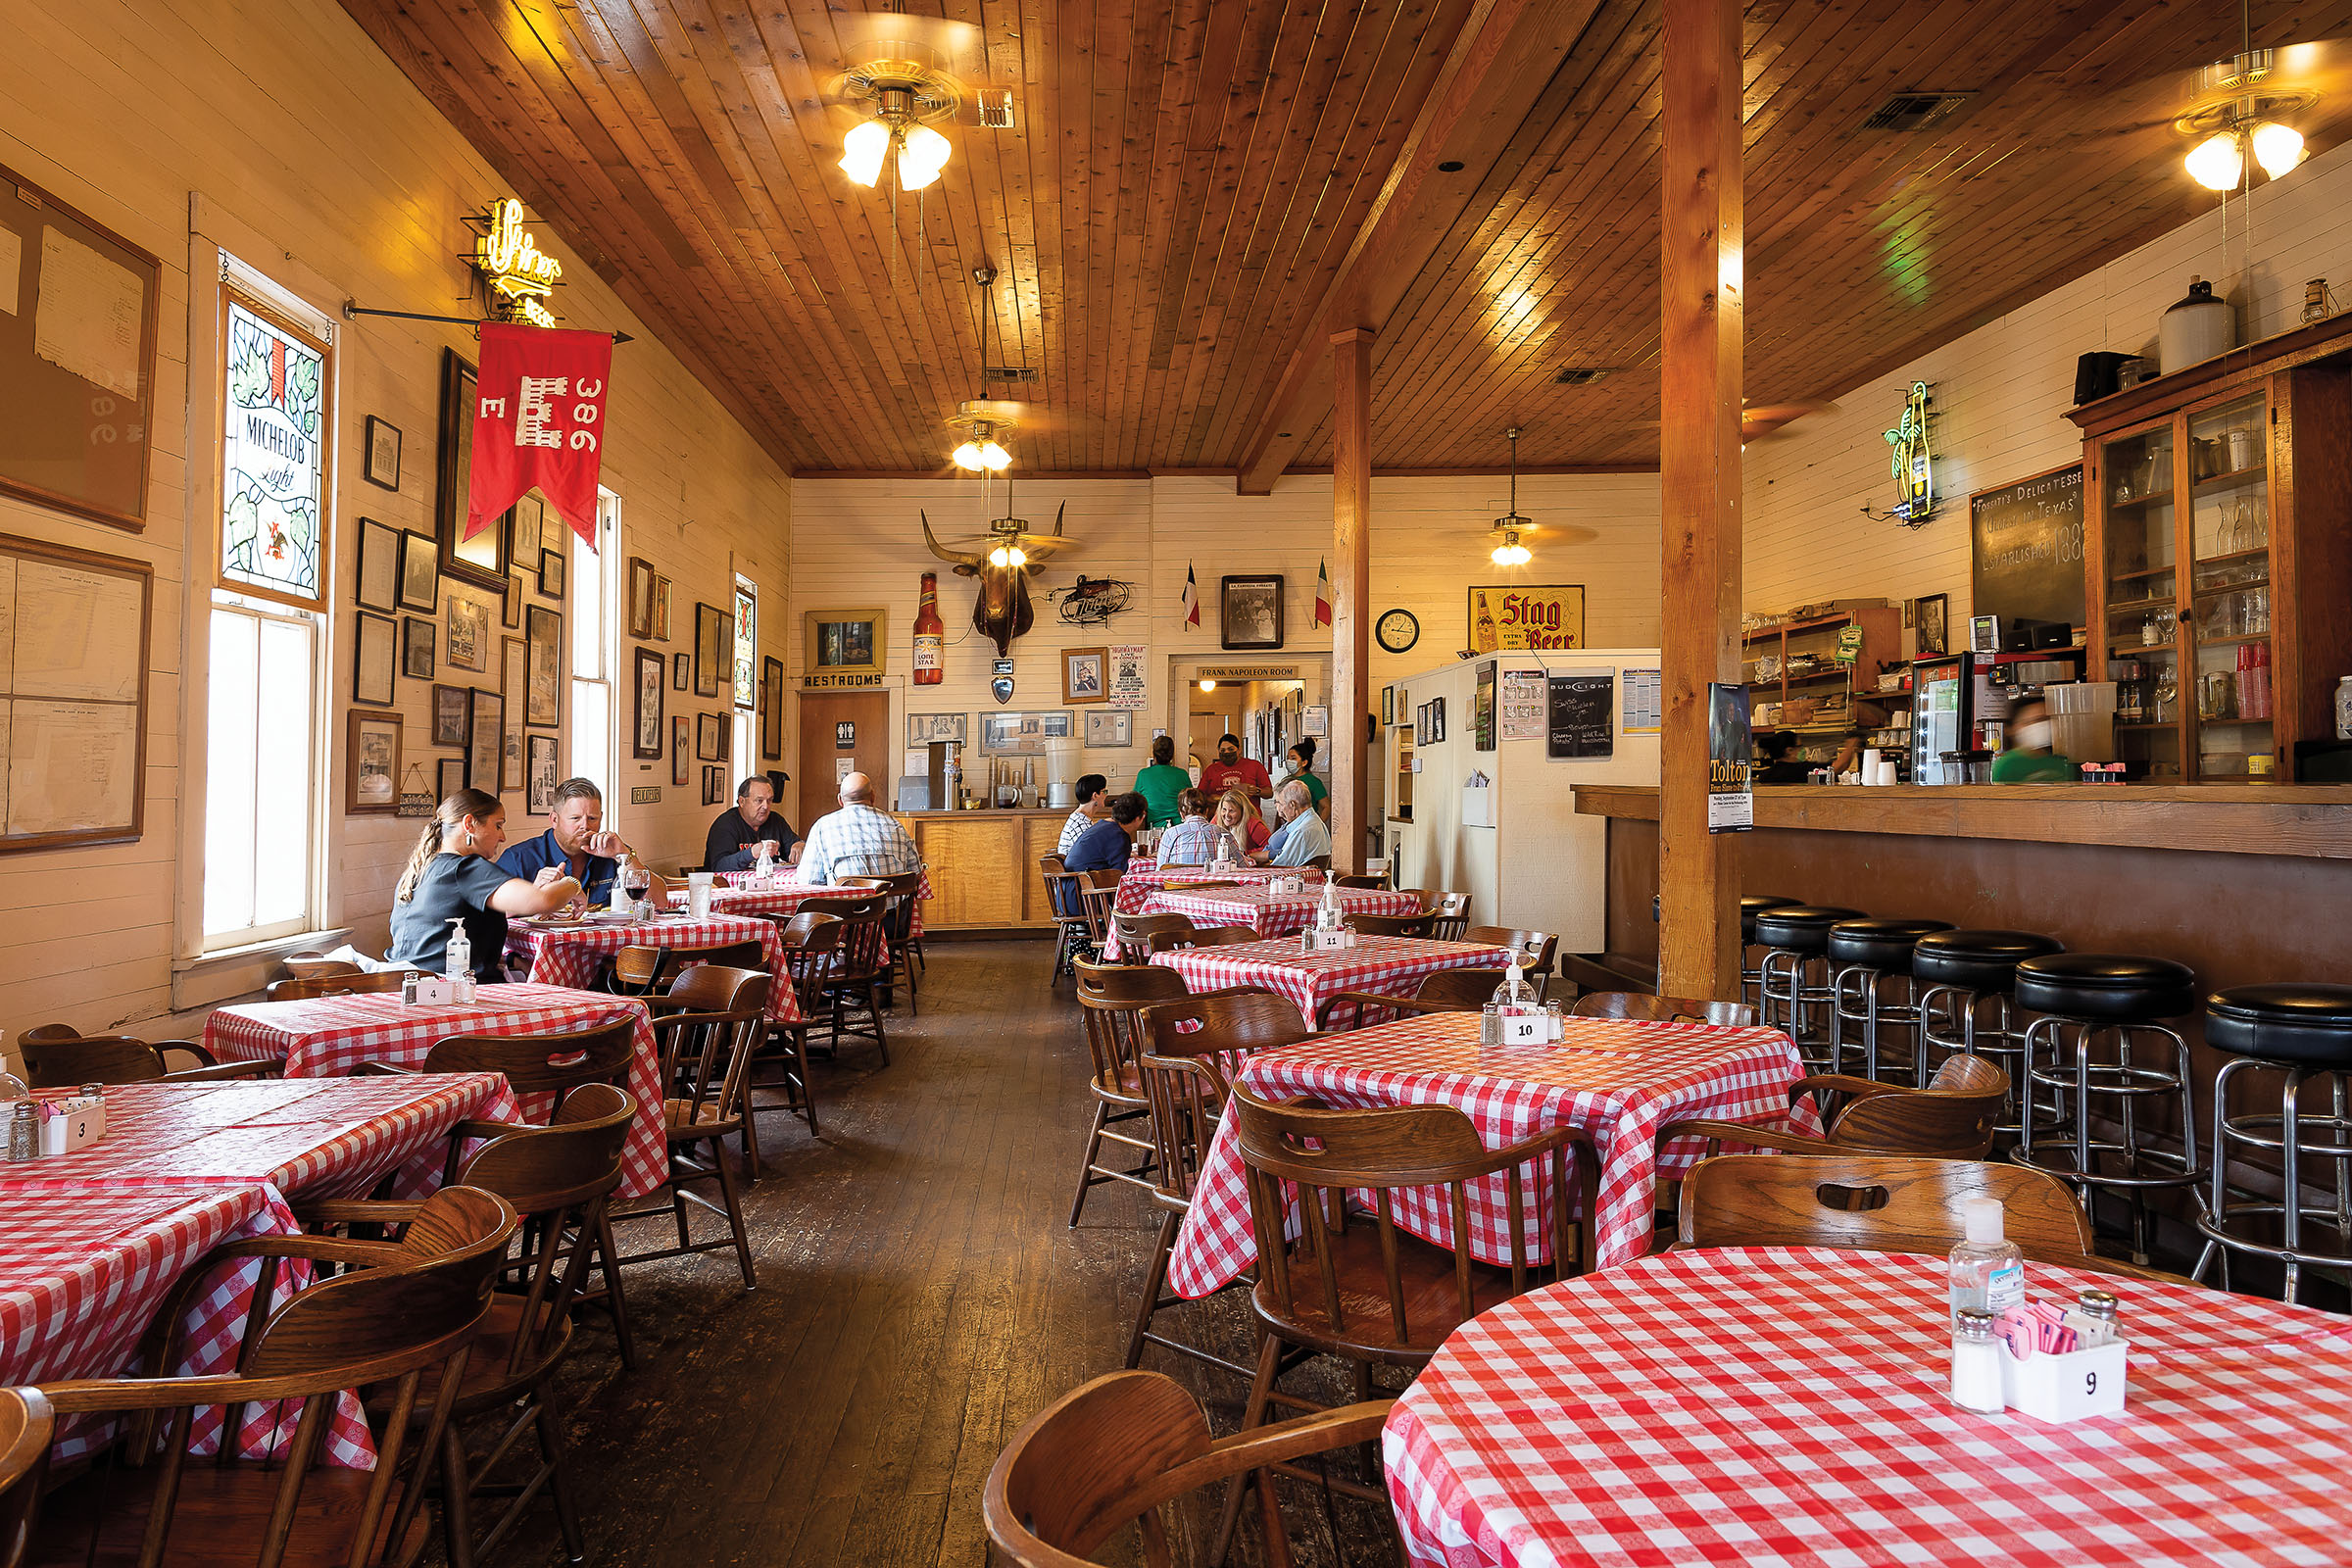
column 459, row 959
column 768, row 864
column 1987, row 1271
column 1517, row 995
column 1327, row 909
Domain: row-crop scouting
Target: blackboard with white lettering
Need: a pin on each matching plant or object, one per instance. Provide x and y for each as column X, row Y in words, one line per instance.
column 1582, row 708
column 2026, row 544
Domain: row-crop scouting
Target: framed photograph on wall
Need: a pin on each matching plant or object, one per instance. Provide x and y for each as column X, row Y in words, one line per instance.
column 714, row 651
column 771, row 710
column 1110, row 727
column 551, row 573
column 482, row 560
column 450, row 777
column 714, row 785
column 924, row 728
column 1931, row 620
column 465, row 632
column 681, row 742
column 539, row 774
column 1252, row 611
column 526, row 533
column 1083, row 675
column 485, row 740
column 511, row 613
column 448, row 715
column 380, row 566
column 845, row 642
column 512, row 664
column 651, row 683
column 415, row 647
column 372, row 661
column 707, row 733
column 1388, row 705
column 641, row 597
column 681, row 675
column 543, row 660
column 383, row 453
column 419, row 573
column 661, row 610
column 371, row 763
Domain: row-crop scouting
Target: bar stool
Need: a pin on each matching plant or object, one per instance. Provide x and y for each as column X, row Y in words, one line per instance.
column 2113, row 1001
column 1962, row 970
column 2305, row 1032
column 1863, row 955
column 1752, row 977
column 1796, row 939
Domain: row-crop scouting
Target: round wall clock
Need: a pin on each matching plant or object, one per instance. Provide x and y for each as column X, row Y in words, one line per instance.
column 1396, row 630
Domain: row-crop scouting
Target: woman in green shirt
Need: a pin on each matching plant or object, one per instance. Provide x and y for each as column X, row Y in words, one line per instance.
column 1302, row 768
column 1160, row 783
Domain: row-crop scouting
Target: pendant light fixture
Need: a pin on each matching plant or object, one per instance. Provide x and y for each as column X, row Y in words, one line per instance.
column 1508, row 551
column 980, row 452
column 2238, row 106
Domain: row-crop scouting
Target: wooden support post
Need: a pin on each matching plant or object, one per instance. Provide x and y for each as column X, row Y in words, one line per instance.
column 1699, row 872
column 1351, row 591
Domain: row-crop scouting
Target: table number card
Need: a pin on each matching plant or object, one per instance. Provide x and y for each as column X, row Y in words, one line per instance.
column 1525, row 1029
column 1313, row 940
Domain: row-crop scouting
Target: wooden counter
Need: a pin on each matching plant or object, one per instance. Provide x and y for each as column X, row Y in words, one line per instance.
column 983, row 866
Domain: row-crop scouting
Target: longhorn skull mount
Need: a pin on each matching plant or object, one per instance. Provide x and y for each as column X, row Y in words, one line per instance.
column 1001, row 562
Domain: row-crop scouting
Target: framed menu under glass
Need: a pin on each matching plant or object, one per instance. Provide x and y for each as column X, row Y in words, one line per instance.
column 73, row 630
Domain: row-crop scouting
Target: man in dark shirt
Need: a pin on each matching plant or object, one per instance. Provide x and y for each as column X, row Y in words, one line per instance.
column 576, row 845
column 735, row 838
column 1106, row 845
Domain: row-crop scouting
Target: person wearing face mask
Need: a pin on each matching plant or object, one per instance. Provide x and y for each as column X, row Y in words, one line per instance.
column 1298, row 763
column 736, row 837
column 1232, row 770
column 2027, row 757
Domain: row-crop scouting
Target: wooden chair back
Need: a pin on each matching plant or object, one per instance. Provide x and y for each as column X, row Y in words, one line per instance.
column 318, row 967
column 1217, row 936
column 812, row 957
column 897, row 901
column 1142, row 935
column 1451, row 910
column 1640, row 1008
column 1113, row 997
column 1064, row 889
column 302, row 988
column 1954, row 1116
column 1329, row 1155
column 707, row 1047
column 539, row 1064
column 1097, row 893
column 1391, row 925
column 1354, row 880
column 641, row 971
column 859, row 955
column 1120, row 1450
column 1468, row 989
column 797, row 928
column 1872, row 1203
column 1544, row 944
column 54, row 1063
column 25, row 1430
column 1189, row 1045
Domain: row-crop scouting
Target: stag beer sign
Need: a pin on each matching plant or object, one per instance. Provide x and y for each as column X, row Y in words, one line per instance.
column 1509, row 615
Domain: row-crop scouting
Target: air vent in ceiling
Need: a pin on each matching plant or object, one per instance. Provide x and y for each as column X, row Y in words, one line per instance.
column 1915, row 111
column 996, row 108
column 1580, row 375
column 1008, row 372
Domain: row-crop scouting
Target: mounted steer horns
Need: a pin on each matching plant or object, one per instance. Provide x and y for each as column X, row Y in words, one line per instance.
column 1001, row 562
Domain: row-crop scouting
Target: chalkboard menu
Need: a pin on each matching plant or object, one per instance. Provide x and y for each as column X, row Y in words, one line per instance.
column 1582, row 703
column 2026, row 542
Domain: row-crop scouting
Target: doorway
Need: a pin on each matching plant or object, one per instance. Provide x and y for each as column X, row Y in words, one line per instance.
column 841, row 732
column 1267, row 701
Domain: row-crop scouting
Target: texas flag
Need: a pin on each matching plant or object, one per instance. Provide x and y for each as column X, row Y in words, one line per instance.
column 1192, row 598
column 1322, row 595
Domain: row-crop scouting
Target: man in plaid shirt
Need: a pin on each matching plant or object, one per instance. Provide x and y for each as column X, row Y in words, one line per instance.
column 856, row 839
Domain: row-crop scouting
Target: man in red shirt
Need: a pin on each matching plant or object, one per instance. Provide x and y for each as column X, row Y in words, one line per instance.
column 1233, row 771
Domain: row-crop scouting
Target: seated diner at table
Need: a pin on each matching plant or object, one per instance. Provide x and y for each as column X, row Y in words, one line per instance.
column 734, row 841
column 856, row 839
column 1192, row 841
column 1237, row 816
column 1093, row 805
column 576, row 844
column 1104, row 846
column 1162, row 781
column 1302, row 839
column 451, row 876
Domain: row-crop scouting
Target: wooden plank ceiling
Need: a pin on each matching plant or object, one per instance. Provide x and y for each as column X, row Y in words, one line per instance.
column 1194, row 195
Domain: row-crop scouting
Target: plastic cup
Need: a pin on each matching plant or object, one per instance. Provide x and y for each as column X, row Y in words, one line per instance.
column 698, row 894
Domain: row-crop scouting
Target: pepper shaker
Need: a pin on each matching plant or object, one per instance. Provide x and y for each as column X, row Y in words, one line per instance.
column 24, row 1133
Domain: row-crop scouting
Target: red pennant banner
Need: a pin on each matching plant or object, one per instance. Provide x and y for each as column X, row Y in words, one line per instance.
column 538, row 420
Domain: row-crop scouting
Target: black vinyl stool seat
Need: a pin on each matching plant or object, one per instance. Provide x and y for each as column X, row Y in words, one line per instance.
column 1793, row 989
column 1960, row 972
column 2301, row 1033
column 1752, row 904
column 2089, row 1053
column 1867, row 958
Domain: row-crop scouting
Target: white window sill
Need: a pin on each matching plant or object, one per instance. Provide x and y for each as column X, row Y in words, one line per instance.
column 226, row 972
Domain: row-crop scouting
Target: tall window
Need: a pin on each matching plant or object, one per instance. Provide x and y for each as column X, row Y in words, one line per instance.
column 745, row 757
column 595, row 650
column 264, row 767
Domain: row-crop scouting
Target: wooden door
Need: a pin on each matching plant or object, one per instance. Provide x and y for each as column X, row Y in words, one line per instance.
column 842, row 732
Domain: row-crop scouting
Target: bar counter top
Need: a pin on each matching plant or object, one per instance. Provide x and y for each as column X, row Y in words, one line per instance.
column 2312, row 822
column 982, row 812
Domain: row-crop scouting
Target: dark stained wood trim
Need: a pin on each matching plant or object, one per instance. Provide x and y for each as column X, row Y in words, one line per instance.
column 2242, row 369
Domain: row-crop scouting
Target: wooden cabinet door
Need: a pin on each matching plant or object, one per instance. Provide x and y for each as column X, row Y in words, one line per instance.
column 975, row 873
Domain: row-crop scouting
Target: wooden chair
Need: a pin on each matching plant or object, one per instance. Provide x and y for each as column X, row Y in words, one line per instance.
column 1953, row 1117
column 1544, row 944
column 302, row 988
column 811, row 946
column 534, row 1064
column 905, row 949
column 1217, row 936
column 1187, row 1043
column 317, row 966
column 1358, row 1288
column 705, row 1053
column 1352, row 880
column 641, row 971
column 1874, row 1204
column 1319, row 862
column 58, row 1057
column 400, row 1310
column 558, row 1178
column 1439, row 991
column 1064, row 896
column 1391, row 925
column 1642, row 1009
column 1097, row 896
column 1113, row 996
column 855, row 984
column 1118, row 1451
column 1142, row 935
column 25, row 1430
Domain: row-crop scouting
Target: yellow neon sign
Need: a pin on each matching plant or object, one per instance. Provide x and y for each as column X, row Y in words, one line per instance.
column 519, row 274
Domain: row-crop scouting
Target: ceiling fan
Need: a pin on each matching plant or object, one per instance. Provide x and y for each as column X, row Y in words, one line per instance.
column 1506, row 529
column 905, row 76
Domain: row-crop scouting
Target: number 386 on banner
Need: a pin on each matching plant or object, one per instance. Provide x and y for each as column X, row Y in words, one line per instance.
column 538, row 422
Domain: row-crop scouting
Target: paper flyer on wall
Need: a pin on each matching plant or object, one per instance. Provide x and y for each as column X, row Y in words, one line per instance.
column 1731, row 760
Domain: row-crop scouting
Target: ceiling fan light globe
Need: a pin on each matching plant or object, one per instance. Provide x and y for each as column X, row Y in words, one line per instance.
column 921, row 155
column 2278, row 148
column 994, row 457
column 2217, row 162
column 999, row 556
column 969, row 455
column 1016, row 556
column 864, row 150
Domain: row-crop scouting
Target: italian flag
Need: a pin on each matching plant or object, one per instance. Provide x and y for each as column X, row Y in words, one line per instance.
column 1192, row 598
column 1322, row 595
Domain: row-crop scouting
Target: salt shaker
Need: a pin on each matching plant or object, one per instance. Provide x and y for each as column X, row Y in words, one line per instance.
column 1976, row 1364
column 1490, row 1025
column 24, row 1132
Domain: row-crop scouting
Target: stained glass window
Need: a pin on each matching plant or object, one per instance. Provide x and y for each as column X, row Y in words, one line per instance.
column 746, row 645
column 273, row 459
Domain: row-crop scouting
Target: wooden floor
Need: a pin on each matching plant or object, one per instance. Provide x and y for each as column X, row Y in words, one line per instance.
column 920, row 1297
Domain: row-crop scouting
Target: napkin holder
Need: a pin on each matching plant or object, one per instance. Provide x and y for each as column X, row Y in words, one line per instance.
column 1314, row 941
column 2073, row 1387
column 71, row 1122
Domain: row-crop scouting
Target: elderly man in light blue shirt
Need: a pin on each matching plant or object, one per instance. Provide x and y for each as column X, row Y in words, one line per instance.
column 1303, row 838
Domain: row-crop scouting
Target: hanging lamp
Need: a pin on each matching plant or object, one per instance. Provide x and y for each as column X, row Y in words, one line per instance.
column 1505, row 530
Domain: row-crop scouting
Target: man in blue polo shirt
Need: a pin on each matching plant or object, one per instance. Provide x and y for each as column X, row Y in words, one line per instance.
column 576, row 845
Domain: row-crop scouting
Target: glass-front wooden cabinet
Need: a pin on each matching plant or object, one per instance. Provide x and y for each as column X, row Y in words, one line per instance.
column 2142, row 602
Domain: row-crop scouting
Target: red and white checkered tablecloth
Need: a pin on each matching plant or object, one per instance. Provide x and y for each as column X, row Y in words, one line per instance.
column 786, row 892
column 1788, row 1407
column 1275, row 914
column 1143, row 878
column 328, row 1037
column 1388, row 966
column 306, row 1137
column 571, row 956
column 1615, row 1082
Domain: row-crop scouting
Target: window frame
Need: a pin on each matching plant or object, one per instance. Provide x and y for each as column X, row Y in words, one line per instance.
column 743, row 720
column 593, row 568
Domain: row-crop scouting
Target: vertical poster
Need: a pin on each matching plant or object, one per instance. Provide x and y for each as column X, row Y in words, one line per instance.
column 1731, row 760
column 1482, row 710
column 1523, row 698
column 1645, row 702
column 1577, row 720
column 1127, row 680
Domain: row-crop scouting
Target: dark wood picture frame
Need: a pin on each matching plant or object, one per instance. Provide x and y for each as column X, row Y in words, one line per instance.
column 543, row 653
column 708, row 736
column 681, row 678
column 379, row 556
column 641, row 597
column 652, row 680
column 449, row 711
column 419, row 573
column 681, row 741
column 1938, row 639
column 1251, row 636
column 449, row 776
column 359, row 720
column 450, row 496
column 512, row 682
column 712, row 665
column 463, row 612
column 416, row 648
column 364, row 635
column 113, row 636
column 371, row 466
column 771, row 710
column 538, row 782
column 551, row 573
column 485, row 739
column 510, row 613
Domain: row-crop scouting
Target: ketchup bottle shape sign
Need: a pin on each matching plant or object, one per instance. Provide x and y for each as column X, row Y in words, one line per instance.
column 930, row 636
